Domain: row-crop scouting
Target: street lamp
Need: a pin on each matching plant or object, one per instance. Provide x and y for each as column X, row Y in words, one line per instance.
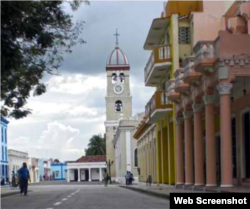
column 109, row 163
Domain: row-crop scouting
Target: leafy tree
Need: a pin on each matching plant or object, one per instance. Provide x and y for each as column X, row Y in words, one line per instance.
column 96, row 146
column 34, row 37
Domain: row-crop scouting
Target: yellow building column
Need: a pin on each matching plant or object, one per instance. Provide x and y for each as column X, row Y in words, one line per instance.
column 159, row 161
column 165, row 157
column 171, row 150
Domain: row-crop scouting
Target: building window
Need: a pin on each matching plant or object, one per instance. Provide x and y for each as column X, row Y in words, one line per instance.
column 2, row 153
column 57, row 174
column 136, row 157
column 2, row 133
column 5, row 135
column 122, row 77
column 184, row 35
column 114, row 78
column 118, row 106
column 6, row 154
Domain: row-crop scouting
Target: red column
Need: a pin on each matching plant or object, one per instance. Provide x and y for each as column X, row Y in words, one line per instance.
column 189, row 164
column 210, row 142
column 198, row 146
column 226, row 136
column 179, row 151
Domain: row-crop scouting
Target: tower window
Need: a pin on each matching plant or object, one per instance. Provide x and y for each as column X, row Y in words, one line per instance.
column 122, row 77
column 118, row 106
column 184, row 35
column 114, row 78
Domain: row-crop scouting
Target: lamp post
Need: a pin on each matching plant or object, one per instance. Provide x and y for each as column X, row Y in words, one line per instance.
column 109, row 163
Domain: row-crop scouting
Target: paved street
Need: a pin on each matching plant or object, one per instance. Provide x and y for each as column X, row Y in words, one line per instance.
column 82, row 196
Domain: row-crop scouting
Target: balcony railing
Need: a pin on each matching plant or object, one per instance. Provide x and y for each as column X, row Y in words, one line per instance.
column 190, row 75
column 172, row 95
column 204, row 50
column 180, row 85
column 158, row 101
column 242, row 1
column 160, row 54
column 170, row 85
column 188, row 64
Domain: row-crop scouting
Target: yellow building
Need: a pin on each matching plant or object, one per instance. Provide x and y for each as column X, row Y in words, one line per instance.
column 171, row 39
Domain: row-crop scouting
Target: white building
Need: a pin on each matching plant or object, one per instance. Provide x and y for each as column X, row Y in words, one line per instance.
column 126, row 157
column 87, row 168
column 33, row 169
column 16, row 160
column 47, row 169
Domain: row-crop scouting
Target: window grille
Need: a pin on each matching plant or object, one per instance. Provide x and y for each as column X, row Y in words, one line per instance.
column 184, row 35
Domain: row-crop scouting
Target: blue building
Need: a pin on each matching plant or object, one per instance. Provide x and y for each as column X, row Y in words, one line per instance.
column 59, row 171
column 4, row 150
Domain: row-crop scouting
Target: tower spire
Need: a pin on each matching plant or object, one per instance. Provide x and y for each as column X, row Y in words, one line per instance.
column 116, row 34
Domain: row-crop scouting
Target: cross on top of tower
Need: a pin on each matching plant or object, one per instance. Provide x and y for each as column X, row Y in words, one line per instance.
column 116, row 34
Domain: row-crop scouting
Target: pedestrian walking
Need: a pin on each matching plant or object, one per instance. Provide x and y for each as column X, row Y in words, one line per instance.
column 13, row 180
column 24, row 177
column 127, row 177
column 131, row 178
column 106, row 179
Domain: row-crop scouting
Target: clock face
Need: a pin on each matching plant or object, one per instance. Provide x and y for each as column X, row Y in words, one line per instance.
column 118, row 89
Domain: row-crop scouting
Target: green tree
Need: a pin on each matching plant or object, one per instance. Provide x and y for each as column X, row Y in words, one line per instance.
column 34, row 37
column 96, row 146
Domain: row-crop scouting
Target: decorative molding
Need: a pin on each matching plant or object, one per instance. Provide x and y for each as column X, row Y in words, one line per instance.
column 224, row 88
column 179, row 120
column 197, row 107
column 209, row 99
column 187, row 114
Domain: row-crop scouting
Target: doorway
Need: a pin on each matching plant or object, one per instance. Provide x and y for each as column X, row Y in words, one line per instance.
column 234, row 147
column 86, row 175
column 246, row 144
column 76, row 175
column 218, row 159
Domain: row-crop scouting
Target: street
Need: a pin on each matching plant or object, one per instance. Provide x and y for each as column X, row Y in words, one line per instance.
column 80, row 197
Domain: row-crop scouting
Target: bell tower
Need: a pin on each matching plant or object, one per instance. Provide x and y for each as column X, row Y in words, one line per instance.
column 118, row 99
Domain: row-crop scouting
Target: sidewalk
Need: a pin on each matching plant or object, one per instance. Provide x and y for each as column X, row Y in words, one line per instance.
column 163, row 191
column 7, row 191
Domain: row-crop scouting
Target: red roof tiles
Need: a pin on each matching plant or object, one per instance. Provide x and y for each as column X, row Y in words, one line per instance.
column 91, row 159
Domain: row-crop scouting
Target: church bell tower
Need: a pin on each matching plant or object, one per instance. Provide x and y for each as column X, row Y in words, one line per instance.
column 118, row 99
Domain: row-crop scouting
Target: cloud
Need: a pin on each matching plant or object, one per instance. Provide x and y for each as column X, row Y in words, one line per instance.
column 58, row 136
column 133, row 20
column 73, row 108
column 58, row 140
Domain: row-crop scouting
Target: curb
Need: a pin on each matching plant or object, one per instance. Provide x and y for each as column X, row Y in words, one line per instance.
column 147, row 192
column 9, row 194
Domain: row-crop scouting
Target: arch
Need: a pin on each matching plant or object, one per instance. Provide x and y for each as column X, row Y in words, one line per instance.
column 118, row 106
column 122, row 77
column 114, row 78
column 136, row 157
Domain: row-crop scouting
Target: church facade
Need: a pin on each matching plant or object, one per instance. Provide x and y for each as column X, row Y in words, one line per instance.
column 126, row 153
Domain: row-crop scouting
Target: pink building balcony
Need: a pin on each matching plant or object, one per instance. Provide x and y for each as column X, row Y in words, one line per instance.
column 205, row 57
column 190, row 75
column 180, row 86
column 158, row 64
column 172, row 95
column 158, row 107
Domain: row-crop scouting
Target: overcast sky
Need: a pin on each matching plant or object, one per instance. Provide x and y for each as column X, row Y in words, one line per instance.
column 73, row 109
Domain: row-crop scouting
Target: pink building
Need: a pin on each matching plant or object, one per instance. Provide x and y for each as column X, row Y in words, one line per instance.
column 211, row 91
